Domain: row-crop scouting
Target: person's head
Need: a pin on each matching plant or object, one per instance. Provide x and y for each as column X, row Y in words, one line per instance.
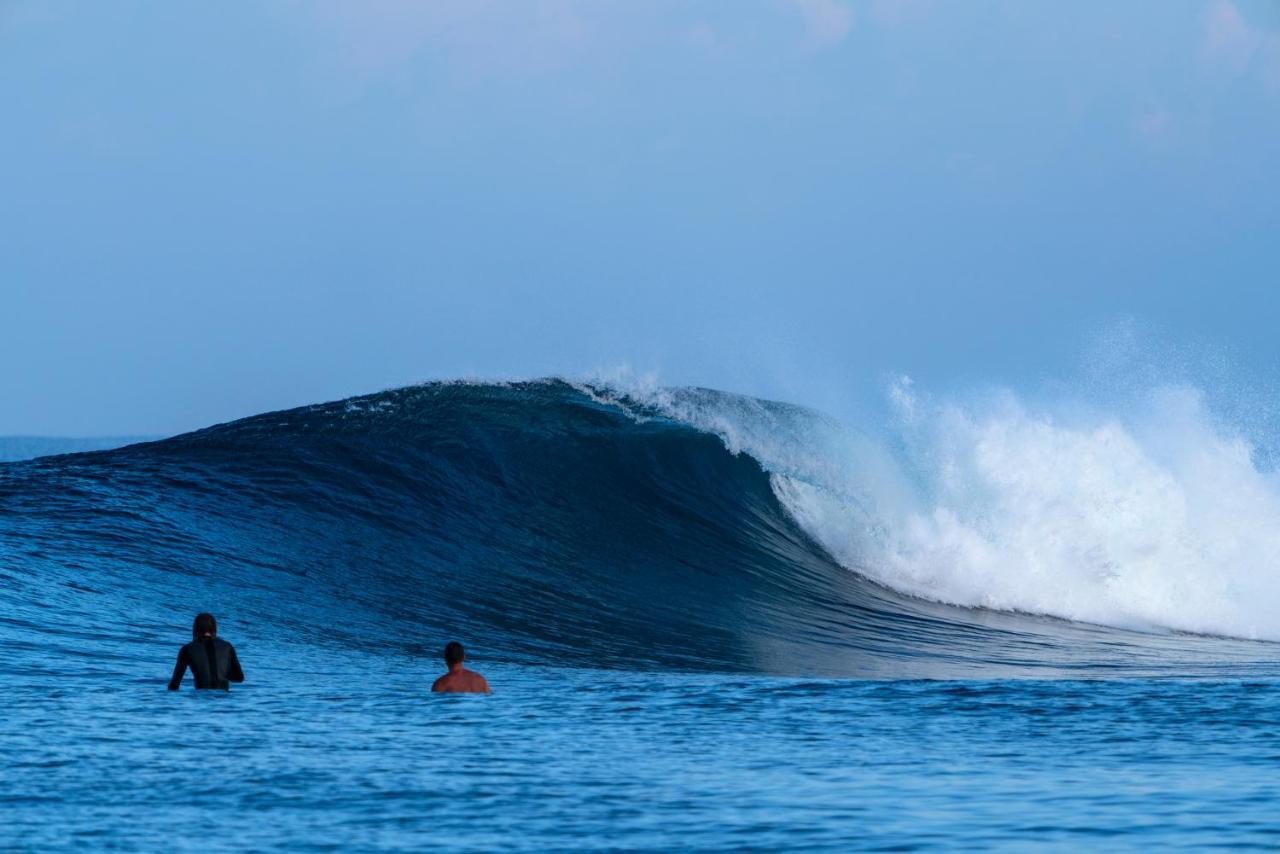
column 204, row 626
column 454, row 653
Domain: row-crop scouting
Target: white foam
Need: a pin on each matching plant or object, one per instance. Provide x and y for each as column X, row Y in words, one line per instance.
column 1156, row 517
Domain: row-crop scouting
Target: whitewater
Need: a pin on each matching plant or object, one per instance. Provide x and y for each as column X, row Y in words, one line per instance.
column 1159, row 518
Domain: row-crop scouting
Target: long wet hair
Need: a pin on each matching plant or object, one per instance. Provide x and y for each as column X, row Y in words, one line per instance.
column 205, row 624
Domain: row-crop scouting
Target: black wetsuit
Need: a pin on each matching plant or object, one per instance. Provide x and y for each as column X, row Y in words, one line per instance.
column 212, row 661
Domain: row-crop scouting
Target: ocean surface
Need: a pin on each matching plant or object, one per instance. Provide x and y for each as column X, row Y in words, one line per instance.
column 13, row 448
column 711, row 622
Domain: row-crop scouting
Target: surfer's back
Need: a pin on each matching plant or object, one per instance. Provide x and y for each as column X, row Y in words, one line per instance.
column 211, row 660
column 459, row 680
column 462, row 681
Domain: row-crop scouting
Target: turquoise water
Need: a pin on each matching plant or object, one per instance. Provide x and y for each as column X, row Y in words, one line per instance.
column 332, row 750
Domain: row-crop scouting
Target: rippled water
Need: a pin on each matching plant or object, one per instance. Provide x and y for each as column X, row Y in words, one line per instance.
column 325, row 748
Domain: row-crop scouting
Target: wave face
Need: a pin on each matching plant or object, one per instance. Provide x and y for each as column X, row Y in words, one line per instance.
column 547, row 523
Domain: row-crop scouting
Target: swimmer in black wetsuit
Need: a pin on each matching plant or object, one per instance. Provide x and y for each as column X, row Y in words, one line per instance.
column 212, row 660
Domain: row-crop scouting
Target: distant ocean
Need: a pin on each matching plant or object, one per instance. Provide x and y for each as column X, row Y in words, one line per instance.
column 711, row 622
column 14, row 448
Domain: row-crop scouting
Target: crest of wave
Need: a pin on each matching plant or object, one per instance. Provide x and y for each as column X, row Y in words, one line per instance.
column 1156, row 517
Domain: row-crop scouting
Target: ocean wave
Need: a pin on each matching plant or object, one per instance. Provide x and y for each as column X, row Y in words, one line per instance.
column 595, row 525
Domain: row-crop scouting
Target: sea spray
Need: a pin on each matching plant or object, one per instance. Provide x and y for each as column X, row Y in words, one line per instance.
column 1154, row 517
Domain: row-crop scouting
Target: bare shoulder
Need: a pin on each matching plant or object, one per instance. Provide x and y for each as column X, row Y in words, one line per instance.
column 466, row 682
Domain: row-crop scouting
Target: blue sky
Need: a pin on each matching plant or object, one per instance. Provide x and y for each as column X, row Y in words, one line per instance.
column 214, row 210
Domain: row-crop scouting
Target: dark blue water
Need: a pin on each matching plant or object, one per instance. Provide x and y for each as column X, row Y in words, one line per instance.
column 675, row 662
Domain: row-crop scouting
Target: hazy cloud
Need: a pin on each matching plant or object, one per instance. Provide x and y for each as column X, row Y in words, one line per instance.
column 1153, row 122
column 1153, row 126
column 376, row 37
column 1232, row 42
column 892, row 13
column 828, row 22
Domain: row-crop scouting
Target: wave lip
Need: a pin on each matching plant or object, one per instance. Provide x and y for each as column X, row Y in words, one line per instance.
column 552, row 522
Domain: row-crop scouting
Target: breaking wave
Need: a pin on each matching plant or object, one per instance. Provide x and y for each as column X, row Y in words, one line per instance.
column 592, row 525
